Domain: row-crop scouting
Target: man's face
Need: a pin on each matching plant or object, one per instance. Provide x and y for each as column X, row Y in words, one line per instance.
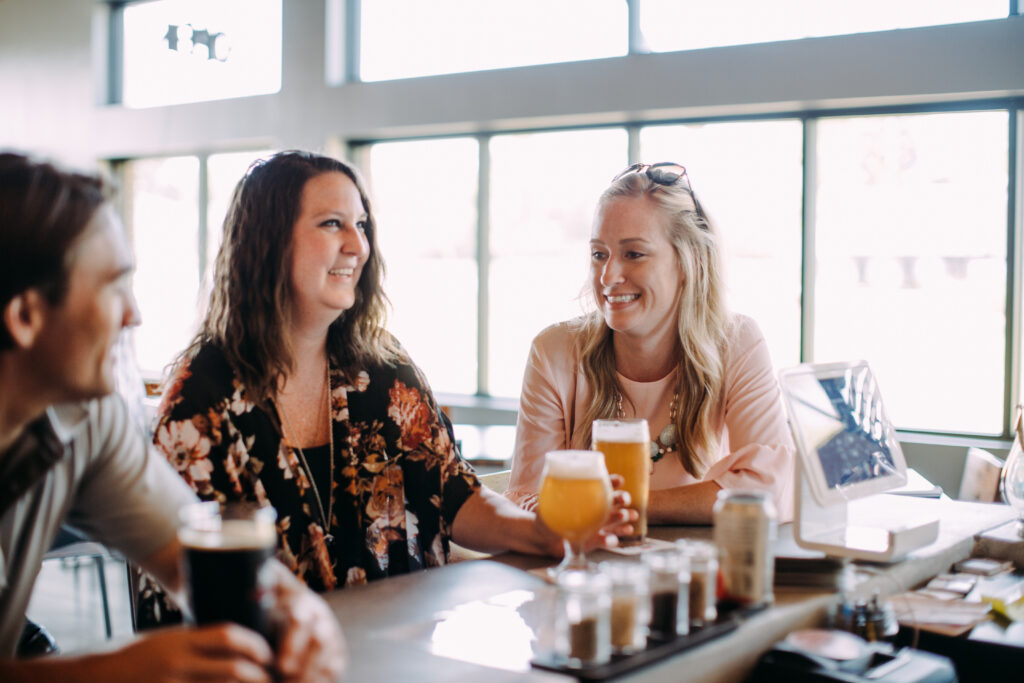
column 73, row 351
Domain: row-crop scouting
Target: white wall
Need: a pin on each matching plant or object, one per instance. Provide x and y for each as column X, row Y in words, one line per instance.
column 46, row 86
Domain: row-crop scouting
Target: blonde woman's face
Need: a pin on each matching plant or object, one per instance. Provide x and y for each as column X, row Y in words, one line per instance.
column 634, row 270
column 329, row 247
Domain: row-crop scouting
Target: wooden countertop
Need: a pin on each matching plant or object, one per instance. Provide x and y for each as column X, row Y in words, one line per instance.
column 475, row 620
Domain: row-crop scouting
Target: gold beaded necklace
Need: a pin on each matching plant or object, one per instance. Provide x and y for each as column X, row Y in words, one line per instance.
column 666, row 441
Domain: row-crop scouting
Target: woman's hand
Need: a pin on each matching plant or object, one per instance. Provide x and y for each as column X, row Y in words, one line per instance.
column 620, row 518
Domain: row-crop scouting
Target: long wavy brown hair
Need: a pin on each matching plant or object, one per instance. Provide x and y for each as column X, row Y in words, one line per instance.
column 703, row 326
column 251, row 300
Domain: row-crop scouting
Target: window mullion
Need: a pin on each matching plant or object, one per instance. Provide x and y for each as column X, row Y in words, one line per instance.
column 633, row 146
column 1014, row 279
column 483, row 261
column 203, row 218
column 808, row 250
column 353, row 28
column 115, row 54
column 636, row 36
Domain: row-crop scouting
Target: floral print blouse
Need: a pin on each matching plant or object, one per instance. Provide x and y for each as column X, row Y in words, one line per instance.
column 398, row 482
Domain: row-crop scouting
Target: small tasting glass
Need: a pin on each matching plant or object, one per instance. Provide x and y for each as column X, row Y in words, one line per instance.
column 583, row 621
column 631, row 605
column 703, row 557
column 670, row 593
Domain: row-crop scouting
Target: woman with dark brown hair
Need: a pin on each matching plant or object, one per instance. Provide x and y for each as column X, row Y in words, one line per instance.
column 294, row 394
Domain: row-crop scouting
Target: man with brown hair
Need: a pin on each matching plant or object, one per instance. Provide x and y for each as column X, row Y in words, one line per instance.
column 69, row 451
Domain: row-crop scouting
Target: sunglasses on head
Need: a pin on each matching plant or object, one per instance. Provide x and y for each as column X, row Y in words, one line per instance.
column 665, row 173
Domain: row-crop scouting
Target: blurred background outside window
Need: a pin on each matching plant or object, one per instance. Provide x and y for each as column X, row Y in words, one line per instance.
column 450, row 36
column 670, row 25
column 177, row 51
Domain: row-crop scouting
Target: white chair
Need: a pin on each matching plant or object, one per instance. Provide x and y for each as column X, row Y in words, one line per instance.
column 496, row 481
column 71, row 547
column 980, row 481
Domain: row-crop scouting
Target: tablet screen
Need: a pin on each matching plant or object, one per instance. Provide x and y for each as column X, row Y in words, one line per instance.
column 856, row 452
column 844, row 437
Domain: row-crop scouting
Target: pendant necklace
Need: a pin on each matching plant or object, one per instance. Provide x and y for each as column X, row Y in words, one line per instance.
column 666, row 440
column 328, row 536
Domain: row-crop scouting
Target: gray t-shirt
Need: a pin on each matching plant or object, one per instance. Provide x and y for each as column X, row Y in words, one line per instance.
column 106, row 485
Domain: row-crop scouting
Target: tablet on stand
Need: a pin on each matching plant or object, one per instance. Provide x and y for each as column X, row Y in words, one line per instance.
column 847, row 451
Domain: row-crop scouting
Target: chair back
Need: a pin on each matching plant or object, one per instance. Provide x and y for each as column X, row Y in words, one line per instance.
column 496, row 481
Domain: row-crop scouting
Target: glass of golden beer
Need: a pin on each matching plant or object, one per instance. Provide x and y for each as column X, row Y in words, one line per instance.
column 626, row 445
column 575, row 499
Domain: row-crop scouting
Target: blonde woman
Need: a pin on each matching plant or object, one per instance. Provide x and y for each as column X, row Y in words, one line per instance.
column 660, row 345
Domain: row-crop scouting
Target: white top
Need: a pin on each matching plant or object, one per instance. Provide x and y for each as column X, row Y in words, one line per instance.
column 106, row 485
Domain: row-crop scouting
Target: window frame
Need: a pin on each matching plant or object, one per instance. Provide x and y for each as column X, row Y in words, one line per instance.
column 1013, row 343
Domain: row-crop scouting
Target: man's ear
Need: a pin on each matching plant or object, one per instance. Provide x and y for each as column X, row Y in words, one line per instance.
column 23, row 316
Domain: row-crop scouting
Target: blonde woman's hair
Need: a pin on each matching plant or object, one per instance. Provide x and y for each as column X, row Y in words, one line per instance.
column 703, row 326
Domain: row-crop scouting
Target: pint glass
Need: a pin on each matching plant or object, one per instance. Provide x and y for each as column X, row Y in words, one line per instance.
column 225, row 555
column 626, row 447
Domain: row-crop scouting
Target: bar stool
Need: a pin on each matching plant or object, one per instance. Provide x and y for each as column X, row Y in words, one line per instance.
column 71, row 545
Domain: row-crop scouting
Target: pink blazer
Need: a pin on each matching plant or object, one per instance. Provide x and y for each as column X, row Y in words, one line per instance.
column 756, row 448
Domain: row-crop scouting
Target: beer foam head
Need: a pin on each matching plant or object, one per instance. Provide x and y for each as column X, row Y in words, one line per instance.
column 232, row 534
column 625, row 431
column 576, row 464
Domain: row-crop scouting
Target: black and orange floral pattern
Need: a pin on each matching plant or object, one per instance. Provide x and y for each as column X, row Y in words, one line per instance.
column 399, row 479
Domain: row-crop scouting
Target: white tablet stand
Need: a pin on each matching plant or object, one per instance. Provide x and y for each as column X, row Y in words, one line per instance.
column 828, row 528
column 847, row 457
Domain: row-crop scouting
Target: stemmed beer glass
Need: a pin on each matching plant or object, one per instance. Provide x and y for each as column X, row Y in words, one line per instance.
column 574, row 502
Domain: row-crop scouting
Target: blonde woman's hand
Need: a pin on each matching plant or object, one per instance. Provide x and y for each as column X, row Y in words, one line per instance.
column 620, row 518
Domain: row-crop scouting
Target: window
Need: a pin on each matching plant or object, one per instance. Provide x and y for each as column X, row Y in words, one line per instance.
column 668, row 25
column 748, row 175
column 175, row 249
column 163, row 211
column 177, row 51
column 911, row 261
column 424, row 196
column 409, row 38
column 909, row 229
column 223, row 171
column 544, row 188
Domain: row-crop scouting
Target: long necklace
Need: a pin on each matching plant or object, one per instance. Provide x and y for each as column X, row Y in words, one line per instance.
column 328, row 536
column 666, row 441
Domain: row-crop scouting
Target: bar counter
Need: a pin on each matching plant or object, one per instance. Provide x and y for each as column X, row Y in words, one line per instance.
column 474, row 619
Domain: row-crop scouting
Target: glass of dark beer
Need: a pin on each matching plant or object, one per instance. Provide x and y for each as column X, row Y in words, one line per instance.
column 225, row 553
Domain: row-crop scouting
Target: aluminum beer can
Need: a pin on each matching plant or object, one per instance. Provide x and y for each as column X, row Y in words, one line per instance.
column 745, row 529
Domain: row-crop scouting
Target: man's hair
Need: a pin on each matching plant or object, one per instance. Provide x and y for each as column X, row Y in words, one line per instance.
column 43, row 212
column 252, row 289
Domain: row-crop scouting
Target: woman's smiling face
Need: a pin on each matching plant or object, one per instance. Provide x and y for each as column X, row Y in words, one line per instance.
column 329, row 246
column 634, row 268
